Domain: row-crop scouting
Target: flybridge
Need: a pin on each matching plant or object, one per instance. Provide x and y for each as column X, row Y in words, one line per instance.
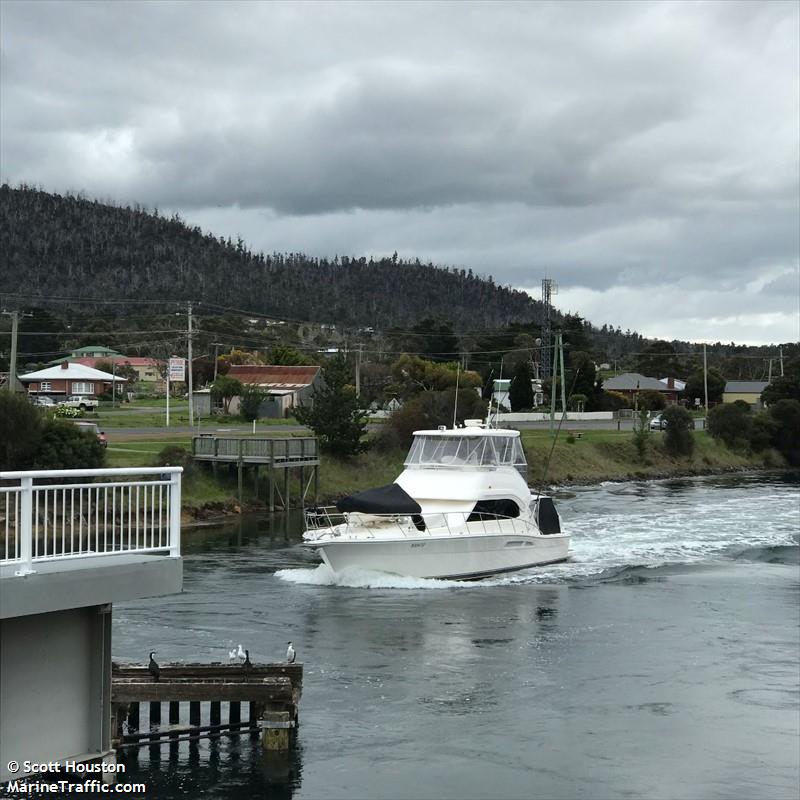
column 467, row 447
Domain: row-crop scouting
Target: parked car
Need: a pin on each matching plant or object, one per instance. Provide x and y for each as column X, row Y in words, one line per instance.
column 91, row 427
column 43, row 400
column 80, row 401
column 658, row 423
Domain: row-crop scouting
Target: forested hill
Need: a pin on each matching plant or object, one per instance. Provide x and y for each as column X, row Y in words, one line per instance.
column 61, row 246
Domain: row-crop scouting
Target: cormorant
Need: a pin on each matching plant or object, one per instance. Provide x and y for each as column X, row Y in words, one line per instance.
column 153, row 667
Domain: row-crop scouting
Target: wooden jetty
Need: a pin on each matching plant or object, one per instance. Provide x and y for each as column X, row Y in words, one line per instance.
column 272, row 692
column 284, row 453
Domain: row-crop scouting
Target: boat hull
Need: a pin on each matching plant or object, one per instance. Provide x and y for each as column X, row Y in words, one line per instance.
column 446, row 557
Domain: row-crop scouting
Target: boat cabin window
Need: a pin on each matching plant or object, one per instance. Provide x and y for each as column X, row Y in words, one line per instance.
column 479, row 451
column 490, row 509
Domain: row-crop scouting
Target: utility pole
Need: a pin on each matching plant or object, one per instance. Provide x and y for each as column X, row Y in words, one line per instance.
column 189, row 365
column 12, row 364
column 560, row 342
column 769, row 378
column 553, row 379
column 358, row 372
column 781, row 356
column 217, row 345
column 705, row 384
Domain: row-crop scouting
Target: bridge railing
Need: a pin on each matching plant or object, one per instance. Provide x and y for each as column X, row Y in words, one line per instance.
column 50, row 515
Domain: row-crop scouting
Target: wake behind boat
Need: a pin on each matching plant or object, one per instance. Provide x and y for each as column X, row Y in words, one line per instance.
column 461, row 509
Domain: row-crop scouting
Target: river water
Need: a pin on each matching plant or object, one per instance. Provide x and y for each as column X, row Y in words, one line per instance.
column 662, row 661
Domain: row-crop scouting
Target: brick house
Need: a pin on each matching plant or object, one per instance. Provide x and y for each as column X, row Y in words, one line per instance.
column 67, row 379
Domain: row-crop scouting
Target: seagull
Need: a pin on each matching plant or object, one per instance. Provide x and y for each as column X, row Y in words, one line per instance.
column 232, row 654
column 153, row 667
column 290, row 654
column 240, row 653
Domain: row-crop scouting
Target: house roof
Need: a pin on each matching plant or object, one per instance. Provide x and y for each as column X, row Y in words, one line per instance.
column 274, row 377
column 71, row 372
column 633, row 381
column 746, row 387
column 82, row 351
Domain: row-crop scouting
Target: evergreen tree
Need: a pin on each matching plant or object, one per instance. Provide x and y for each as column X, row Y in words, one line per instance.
column 336, row 415
column 520, row 392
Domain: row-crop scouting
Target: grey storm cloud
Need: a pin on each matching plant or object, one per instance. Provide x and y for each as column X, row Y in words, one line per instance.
column 642, row 146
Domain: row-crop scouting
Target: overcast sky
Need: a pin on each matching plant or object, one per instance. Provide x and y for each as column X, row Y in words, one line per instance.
column 644, row 155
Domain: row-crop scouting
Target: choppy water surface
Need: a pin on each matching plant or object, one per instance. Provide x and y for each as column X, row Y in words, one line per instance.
column 662, row 661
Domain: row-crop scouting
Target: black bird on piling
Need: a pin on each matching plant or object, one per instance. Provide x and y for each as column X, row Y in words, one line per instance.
column 247, row 663
column 153, row 667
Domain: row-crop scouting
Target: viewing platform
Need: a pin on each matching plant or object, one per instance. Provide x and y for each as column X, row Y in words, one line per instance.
column 283, row 453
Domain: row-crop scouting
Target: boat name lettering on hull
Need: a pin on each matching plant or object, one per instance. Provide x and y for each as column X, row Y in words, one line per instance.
column 419, row 544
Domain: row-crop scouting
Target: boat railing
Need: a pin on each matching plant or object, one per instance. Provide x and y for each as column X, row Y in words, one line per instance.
column 328, row 519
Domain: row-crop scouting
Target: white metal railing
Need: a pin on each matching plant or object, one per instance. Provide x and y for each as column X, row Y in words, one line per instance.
column 328, row 520
column 49, row 515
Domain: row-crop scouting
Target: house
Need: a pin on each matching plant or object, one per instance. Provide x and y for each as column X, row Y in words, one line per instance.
column 91, row 351
column 148, row 370
column 631, row 383
column 283, row 387
column 749, row 391
column 67, row 379
column 673, row 383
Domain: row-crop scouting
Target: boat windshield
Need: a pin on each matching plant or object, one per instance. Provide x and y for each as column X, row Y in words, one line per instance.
column 478, row 451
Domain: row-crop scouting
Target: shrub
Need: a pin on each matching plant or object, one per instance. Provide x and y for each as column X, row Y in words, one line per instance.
column 67, row 412
column 577, row 401
column 428, row 410
column 763, row 432
column 614, row 401
column 785, row 414
column 65, row 446
column 174, row 456
column 20, row 431
column 652, row 400
column 250, row 401
column 641, row 435
column 730, row 423
column 678, row 437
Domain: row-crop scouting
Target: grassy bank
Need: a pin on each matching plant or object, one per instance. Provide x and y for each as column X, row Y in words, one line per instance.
column 592, row 457
column 612, row 455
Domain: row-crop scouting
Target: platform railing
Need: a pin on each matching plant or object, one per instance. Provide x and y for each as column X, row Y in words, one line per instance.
column 50, row 515
column 325, row 519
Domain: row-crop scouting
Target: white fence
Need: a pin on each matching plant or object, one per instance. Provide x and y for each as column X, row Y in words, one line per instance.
column 49, row 515
column 572, row 416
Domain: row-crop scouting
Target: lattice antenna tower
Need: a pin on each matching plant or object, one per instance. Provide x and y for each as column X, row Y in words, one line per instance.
column 549, row 288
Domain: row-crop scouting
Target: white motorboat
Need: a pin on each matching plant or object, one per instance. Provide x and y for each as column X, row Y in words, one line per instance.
column 461, row 509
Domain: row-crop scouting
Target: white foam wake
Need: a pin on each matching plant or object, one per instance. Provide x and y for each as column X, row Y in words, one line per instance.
column 357, row 578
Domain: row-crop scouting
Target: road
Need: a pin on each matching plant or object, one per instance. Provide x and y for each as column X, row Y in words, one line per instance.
column 121, row 434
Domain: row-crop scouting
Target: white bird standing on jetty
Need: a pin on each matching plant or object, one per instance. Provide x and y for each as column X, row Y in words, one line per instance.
column 290, row 654
column 234, row 654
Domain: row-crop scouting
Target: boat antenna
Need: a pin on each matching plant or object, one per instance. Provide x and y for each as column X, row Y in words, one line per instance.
column 455, row 401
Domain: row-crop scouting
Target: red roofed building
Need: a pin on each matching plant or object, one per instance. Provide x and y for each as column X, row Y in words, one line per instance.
column 284, row 387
